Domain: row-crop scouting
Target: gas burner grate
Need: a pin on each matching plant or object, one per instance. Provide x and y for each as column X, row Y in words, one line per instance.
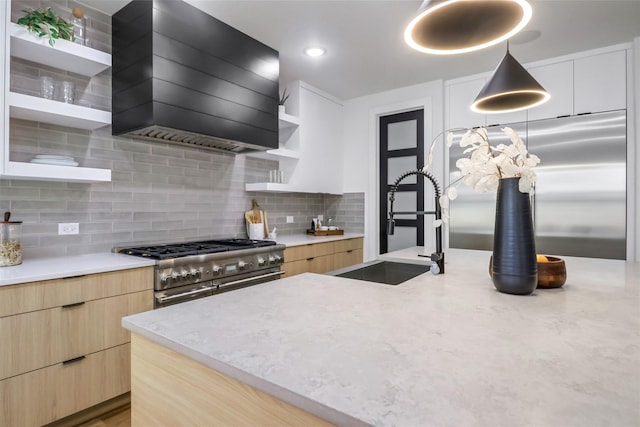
column 175, row 250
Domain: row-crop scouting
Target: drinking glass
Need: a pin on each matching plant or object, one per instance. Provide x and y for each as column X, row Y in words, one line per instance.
column 68, row 92
column 46, row 87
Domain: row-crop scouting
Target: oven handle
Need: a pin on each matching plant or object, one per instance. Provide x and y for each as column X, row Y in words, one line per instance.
column 250, row 279
column 197, row 291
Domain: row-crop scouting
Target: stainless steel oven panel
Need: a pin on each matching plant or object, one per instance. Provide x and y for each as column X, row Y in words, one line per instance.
column 184, row 293
column 244, row 280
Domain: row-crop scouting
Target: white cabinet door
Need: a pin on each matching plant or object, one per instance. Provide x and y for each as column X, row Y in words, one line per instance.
column 461, row 96
column 557, row 79
column 600, row 83
column 320, row 166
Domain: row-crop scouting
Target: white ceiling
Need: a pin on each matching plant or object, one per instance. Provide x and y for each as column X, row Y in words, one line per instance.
column 366, row 52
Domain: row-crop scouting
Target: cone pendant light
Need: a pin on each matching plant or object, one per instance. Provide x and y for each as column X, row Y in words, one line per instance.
column 511, row 88
column 446, row 27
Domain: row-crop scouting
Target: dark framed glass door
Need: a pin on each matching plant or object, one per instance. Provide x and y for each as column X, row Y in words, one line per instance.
column 401, row 150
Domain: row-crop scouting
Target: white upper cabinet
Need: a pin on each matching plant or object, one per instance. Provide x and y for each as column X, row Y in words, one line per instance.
column 460, row 96
column 319, row 169
column 557, row 79
column 310, row 151
column 579, row 84
column 600, row 83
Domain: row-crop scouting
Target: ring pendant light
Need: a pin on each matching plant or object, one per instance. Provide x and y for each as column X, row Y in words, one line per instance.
column 510, row 88
column 447, row 27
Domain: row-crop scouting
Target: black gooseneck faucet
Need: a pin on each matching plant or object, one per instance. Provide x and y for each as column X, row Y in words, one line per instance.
column 437, row 258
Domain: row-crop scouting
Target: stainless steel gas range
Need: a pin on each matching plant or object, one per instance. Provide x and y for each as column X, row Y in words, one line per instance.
column 189, row 270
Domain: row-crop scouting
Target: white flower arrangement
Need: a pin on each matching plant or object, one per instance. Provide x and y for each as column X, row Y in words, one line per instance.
column 487, row 165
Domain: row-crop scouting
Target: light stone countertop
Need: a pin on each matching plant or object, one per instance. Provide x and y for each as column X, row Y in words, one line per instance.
column 446, row 350
column 37, row 269
column 306, row 239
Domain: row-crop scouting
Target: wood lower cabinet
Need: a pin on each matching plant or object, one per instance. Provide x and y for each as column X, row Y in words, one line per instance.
column 63, row 347
column 322, row 257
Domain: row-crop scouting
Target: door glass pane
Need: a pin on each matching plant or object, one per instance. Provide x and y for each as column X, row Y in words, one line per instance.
column 406, row 201
column 402, row 238
column 402, row 135
column 399, row 165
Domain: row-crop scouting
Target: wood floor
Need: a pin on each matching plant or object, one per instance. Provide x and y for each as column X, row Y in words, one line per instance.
column 117, row 418
column 112, row 413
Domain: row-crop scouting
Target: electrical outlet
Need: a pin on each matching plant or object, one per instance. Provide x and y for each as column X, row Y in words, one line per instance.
column 68, row 228
column 289, row 219
column 321, row 217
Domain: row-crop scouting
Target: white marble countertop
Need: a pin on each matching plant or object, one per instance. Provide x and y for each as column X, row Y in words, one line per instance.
column 37, row 269
column 306, row 239
column 446, row 350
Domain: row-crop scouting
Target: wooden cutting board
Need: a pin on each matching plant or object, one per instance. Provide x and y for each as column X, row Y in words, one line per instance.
column 256, row 216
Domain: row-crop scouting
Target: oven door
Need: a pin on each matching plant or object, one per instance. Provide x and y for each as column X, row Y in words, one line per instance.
column 248, row 279
column 185, row 293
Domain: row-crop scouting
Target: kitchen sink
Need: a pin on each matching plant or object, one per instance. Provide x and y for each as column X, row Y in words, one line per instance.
column 388, row 273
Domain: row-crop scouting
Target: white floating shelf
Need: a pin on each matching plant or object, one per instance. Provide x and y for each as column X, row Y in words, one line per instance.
column 64, row 54
column 34, row 171
column 287, row 121
column 273, row 187
column 37, row 109
column 276, row 154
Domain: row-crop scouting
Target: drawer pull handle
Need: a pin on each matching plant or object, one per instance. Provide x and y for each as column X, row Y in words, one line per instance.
column 349, row 251
column 74, row 360
column 75, row 304
column 310, row 259
column 74, row 277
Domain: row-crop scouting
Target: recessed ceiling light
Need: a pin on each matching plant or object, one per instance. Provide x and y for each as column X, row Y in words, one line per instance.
column 315, row 51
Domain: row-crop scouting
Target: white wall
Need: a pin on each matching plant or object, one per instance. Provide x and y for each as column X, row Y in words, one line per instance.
column 361, row 145
column 634, row 105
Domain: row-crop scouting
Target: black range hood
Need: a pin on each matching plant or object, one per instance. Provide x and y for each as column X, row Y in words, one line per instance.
column 182, row 76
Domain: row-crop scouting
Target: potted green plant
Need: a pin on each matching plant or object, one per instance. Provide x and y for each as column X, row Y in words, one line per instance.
column 283, row 99
column 47, row 23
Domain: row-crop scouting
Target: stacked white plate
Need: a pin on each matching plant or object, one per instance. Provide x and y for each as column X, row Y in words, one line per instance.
column 50, row 159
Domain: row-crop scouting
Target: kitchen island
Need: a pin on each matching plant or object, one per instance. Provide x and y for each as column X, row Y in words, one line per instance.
column 435, row 350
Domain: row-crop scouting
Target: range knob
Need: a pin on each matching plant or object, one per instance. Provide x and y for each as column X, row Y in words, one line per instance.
column 184, row 274
column 164, row 278
column 194, row 272
column 216, row 269
column 242, row 265
column 272, row 260
column 278, row 258
column 174, row 275
column 261, row 261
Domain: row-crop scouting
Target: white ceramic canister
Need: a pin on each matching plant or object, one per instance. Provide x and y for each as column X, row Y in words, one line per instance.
column 10, row 247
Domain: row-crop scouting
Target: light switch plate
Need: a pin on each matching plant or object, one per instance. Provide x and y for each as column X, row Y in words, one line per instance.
column 321, row 217
column 68, row 228
column 289, row 219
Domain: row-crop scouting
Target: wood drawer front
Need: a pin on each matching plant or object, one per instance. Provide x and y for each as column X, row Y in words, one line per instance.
column 42, row 396
column 311, row 250
column 34, row 296
column 348, row 245
column 42, row 338
column 320, row 264
column 348, row 258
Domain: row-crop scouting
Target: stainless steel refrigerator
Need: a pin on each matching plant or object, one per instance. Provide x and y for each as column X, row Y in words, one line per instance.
column 580, row 196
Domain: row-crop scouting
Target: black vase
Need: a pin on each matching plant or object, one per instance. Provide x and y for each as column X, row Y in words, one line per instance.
column 515, row 267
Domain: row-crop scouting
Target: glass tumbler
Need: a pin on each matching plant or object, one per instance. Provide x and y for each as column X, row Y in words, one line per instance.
column 68, row 92
column 46, row 87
